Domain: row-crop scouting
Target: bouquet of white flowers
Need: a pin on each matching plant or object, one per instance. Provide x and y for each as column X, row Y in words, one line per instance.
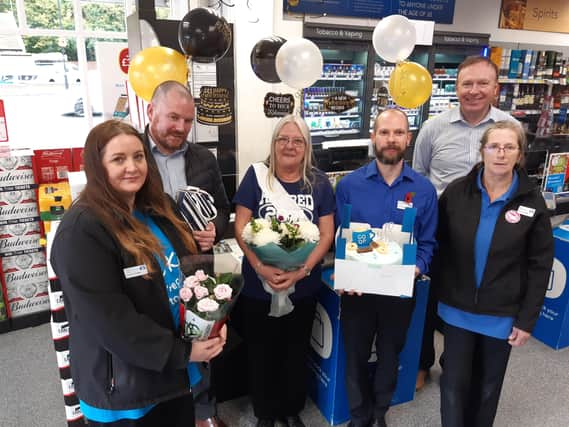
column 284, row 244
column 206, row 303
column 281, row 243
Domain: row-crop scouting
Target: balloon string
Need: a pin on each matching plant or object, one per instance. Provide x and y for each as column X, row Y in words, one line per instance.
column 298, row 102
column 190, row 80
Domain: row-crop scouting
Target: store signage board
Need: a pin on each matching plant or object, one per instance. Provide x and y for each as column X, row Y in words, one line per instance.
column 556, row 175
column 535, row 15
column 441, row 11
column 461, row 39
column 335, row 29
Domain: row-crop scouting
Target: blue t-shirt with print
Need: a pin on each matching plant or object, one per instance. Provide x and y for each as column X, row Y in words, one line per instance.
column 314, row 205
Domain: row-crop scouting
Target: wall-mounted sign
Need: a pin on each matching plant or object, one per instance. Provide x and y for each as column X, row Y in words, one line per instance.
column 535, row 15
column 339, row 103
column 3, row 124
column 440, row 11
column 278, row 104
column 461, row 39
column 344, row 33
column 124, row 60
column 214, row 107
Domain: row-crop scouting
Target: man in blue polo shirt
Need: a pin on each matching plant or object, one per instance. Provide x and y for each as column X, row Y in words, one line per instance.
column 378, row 193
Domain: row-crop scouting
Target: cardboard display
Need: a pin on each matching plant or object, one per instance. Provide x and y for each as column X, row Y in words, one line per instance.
column 326, row 360
column 552, row 327
column 53, row 164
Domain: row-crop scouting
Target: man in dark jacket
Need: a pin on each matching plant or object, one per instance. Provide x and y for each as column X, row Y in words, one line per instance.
column 171, row 113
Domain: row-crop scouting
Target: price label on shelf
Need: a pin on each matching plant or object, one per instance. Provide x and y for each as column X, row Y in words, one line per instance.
column 3, row 125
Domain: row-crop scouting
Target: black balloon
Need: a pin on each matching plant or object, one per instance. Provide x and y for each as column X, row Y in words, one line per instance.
column 204, row 36
column 263, row 58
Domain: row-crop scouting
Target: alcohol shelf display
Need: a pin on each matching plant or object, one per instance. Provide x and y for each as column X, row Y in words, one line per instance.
column 533, row 82
column 344, row 72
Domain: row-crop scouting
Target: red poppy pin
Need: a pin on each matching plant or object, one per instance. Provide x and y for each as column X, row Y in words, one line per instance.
column 409, row 197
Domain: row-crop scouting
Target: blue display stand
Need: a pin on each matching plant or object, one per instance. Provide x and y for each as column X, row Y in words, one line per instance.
column 552, row 327
column 327, row 358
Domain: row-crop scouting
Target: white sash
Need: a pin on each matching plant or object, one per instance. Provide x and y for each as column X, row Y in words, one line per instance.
column 278, row 196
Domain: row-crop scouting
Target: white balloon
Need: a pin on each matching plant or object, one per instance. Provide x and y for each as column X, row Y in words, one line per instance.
column 394, row 38
column 299, row 63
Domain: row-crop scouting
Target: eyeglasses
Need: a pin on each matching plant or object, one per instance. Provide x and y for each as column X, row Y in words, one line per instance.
column 495, row 148
column 284, row 140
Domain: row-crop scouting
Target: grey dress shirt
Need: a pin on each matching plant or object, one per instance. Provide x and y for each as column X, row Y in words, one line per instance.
column 448, row 147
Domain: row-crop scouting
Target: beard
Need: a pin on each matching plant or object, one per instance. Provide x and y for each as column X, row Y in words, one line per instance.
column 386, row 159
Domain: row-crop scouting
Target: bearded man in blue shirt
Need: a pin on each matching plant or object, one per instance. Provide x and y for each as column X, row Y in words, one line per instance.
column 378, row 194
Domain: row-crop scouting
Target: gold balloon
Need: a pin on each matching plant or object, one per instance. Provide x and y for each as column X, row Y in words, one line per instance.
column 155, row 65
column 410, row 84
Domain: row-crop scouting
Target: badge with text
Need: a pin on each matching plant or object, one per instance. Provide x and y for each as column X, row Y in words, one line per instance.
column 339, row 103
column 526, row 211
column 402, row 205
column 278, row 104
column 513, row 217
column 136, row 271
column 214, row 106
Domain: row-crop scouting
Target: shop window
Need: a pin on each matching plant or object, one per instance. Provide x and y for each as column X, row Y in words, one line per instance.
column 52, row 92
column 103, row 16
column 49, row 14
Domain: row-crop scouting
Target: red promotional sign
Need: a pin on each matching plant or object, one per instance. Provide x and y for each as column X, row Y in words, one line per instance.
column 3, row 125
column 124, row 60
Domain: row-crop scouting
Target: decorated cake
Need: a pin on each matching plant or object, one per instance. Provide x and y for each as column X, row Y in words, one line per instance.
column 379, row 253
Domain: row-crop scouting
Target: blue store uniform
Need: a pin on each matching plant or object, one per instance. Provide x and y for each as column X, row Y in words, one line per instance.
column 381, row 317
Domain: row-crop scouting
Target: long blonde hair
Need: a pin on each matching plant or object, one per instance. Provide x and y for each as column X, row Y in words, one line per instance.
column 101, row 198
column 307, row 162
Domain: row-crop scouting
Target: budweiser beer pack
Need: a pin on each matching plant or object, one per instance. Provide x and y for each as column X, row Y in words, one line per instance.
column 17, row 170
column 25, row 280
column 53, row 164
column 24, row 269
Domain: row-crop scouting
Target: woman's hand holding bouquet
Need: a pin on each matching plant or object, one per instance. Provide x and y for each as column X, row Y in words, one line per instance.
column 206, row 303
column 282, row 246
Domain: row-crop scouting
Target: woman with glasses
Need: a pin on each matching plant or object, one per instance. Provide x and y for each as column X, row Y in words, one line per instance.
column 277, row 346
column 495, row 255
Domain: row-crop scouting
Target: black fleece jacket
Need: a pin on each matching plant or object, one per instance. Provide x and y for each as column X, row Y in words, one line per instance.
column 126, row 352
column 519, row 261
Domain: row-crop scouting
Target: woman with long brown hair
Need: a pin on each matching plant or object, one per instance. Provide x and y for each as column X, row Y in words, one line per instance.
column 117, row 254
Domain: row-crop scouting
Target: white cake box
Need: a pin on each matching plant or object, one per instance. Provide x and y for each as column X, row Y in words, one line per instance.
column 395, row 279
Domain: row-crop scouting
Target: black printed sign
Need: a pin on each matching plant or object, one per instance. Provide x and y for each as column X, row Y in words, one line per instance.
column 278, row 104
column 339, row 103
column 214, row 106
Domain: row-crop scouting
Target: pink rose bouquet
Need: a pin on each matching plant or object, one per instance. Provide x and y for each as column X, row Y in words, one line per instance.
column 206, row 302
